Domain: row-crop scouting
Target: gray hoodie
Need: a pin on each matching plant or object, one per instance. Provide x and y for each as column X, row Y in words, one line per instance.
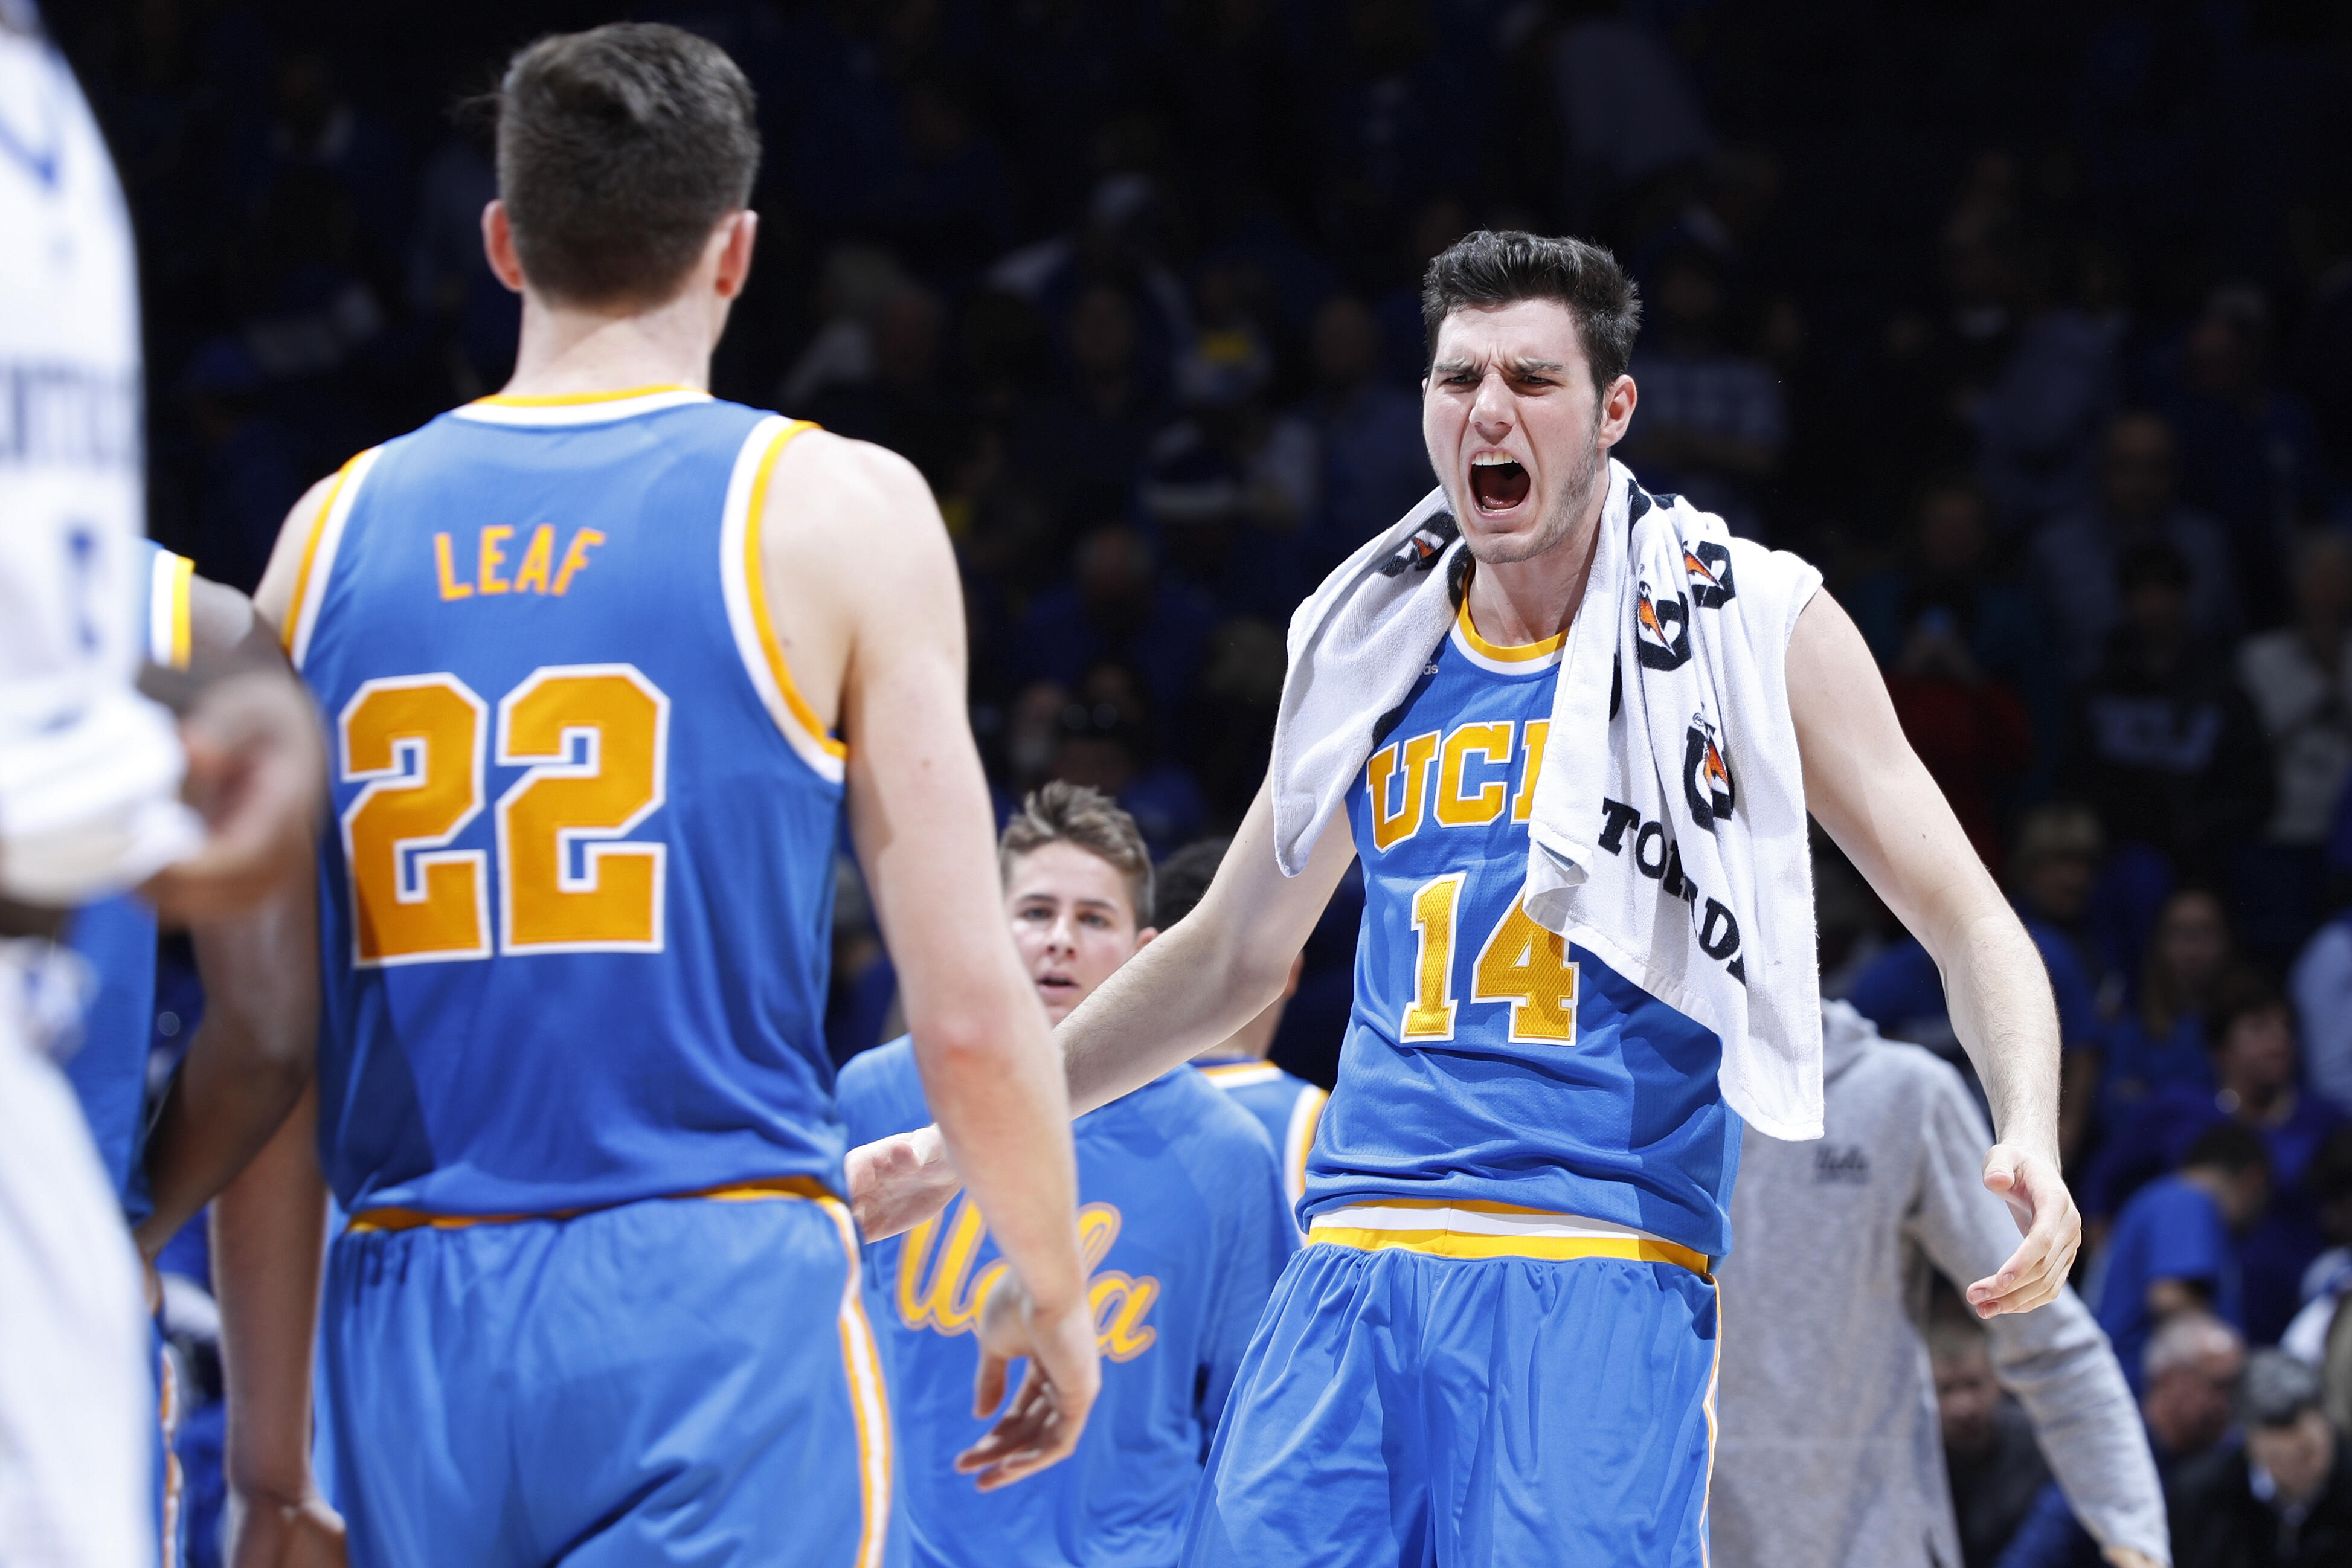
column 1831, row 1452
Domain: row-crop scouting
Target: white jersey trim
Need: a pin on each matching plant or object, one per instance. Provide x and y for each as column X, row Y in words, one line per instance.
column 1480, row 1222
column 319, row 569
column 598, row 411
column 768, row 674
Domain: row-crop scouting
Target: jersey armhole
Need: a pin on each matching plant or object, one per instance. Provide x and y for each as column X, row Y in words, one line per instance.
column 170, row 627
column 743, row 583
column 317, row 568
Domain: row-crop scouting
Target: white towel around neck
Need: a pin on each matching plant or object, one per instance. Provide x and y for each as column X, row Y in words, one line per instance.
column 1668, row 837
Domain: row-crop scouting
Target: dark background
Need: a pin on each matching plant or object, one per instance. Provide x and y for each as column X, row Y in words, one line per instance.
column 2031, row 324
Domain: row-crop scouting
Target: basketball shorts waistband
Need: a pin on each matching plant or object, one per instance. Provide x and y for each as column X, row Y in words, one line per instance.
column 368, row 1221
column 1470, row 1228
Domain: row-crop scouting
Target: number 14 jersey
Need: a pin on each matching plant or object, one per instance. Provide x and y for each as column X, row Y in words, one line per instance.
column 1488, row 1061
column 576, row 895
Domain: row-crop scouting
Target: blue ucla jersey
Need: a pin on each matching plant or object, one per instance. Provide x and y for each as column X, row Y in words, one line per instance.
column 1287, row 1106
column 116, row 936
column 1184, row 1230
column 576, row 900
column 1487, row 1059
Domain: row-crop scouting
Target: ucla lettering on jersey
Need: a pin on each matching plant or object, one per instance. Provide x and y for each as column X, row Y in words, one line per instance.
column 1183, row 1229
column 577, row 898
column 1488, row 1061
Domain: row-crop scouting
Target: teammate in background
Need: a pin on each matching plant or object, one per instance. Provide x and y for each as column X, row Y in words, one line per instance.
column 1182, row 1223
column 1285, row 1105
column 250, row 1056
column 1500, row 1343
column 598, row 1300
column 95, row 788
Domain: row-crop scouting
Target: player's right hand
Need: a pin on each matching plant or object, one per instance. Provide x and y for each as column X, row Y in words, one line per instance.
column 897, row 1183
column 271, row 1533
column 1041, row 1426
column 257, row 767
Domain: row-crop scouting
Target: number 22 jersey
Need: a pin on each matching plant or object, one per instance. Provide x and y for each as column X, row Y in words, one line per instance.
column 576, row 892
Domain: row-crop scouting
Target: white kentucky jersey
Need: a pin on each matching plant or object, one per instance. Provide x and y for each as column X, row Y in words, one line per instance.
column 89, row 769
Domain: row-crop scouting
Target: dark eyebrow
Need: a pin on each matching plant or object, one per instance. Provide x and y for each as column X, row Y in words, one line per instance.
column 1523, row 366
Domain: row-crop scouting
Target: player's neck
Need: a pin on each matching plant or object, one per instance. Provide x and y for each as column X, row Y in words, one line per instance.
column 567, row 351
column 1515, row 603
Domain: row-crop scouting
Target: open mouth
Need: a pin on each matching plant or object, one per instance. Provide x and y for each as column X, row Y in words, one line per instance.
column 1497, row 482
column 1055, row 984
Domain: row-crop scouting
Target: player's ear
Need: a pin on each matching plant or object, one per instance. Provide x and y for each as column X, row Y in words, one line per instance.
column 1146, row 937
column 742, row 229
column 498, row 245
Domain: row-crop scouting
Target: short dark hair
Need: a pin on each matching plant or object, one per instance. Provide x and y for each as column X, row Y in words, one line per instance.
column 1184, row 878
column 2228, row 1146
column 1486, row 268
column 620, row 148
column 2245, row 996
column 1079, row 814
column 2279, row 1388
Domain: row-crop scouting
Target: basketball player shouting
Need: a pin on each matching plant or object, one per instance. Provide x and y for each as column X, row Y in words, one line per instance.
column 1499, row 1344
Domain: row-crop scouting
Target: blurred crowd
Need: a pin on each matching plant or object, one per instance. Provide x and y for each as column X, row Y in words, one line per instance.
column 2032, row 326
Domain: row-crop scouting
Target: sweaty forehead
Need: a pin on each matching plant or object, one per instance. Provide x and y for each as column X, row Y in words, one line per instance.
column 1524, row 329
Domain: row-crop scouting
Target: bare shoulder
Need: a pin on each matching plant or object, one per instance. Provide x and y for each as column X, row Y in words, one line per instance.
column 853, row 492
column 275, row 593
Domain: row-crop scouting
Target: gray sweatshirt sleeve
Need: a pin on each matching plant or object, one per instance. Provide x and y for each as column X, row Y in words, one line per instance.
column 2054, row 1360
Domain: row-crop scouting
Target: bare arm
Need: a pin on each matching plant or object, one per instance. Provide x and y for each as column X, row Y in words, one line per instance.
column 919, row 814
column 1210, row 973
column 1869, row 789
column 269, row 1237
column 249, row 1062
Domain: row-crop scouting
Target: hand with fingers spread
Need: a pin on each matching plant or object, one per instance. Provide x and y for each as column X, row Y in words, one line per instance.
column 2044, row 1210
column 1041, row 1426
column 897, row 1183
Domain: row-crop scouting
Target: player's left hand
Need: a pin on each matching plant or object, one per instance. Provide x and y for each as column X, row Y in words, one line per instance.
column 2125, row 1557
column 1040, row 1428
column 2044, row 1210
column 897, row 1183
column 256, row 765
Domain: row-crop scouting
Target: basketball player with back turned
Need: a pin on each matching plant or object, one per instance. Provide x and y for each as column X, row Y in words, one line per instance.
column 603, row 661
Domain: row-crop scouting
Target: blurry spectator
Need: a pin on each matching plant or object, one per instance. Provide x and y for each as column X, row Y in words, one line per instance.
column 1082, row 446
column 2321, row 982
column 2052, row 868
column 1971, row 732
column 854, row 288
column 1949, row 564
column 1104, row 742
column 2322, row 1331
column 1230, row 727
column 2250, row 1037
column 2285, row 1496
column 2300, row 678
column 896, row 393
column 1116, row 248
column 2170, row 1249
column 2160, row 1039
column 1375, row 465
column 2322, row 350
column 2075, row 562
column 2167, row 749
column 1118, row 606
column 1828, row 1456
column 2249, row 452
column 1626, row 109
column 311, row 125
column 1711, row 424
column 2038, row 422
column 945, row 202
column 1995, row 1468
column 2191, row 1371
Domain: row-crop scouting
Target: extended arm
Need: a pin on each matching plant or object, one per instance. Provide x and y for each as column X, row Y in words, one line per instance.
column 1210, row 973
column 919, row 814
column 270, row 1231
column 1868, row 788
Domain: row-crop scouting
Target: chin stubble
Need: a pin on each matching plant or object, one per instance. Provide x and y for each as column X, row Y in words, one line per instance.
column 1560, row 518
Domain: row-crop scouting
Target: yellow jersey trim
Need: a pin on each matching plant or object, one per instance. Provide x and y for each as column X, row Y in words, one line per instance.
column 393, row 1218
column 1466, row 1244
column 183, row 631
column 290, row 633
column 1518, row 653
column 574, row 399
column 755, row 590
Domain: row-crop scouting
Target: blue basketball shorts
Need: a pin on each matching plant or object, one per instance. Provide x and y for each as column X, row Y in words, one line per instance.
column 682, row 1380
column 1420, row 1398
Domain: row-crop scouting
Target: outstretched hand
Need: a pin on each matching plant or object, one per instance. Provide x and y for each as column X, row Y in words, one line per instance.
column 1041, row 1426
column 2044, row 1210
column 897, row 1182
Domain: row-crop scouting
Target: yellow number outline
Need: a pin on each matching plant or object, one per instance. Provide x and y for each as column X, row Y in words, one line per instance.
column 412, row 767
